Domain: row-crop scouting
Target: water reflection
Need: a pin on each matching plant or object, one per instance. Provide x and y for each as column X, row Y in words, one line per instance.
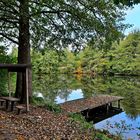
column 131, row 131
column 62, row 88
column 75, row 94
column 101, row 113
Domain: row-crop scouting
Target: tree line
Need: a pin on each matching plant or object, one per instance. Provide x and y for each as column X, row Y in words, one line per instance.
column 122, row 57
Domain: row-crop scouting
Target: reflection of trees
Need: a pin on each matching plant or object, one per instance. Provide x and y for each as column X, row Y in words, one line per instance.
column 61, row 85
column 93, row 86
column 54, row 85
column 88, row 86
column 131, row 106
column 120, row 86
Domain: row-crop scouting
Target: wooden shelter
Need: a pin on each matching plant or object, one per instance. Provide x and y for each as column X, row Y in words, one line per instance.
column 79, row 105
column 23, row 68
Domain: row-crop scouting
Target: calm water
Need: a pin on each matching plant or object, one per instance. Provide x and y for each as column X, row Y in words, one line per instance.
column 62, row 88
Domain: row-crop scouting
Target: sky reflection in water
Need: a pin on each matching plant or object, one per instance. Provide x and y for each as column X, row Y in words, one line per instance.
column 118, row 118
column 75, row 94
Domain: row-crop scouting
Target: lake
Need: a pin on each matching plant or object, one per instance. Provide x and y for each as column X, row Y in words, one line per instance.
column 62, row 88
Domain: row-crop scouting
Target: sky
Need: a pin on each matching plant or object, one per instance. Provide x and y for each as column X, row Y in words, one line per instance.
column 133, row 17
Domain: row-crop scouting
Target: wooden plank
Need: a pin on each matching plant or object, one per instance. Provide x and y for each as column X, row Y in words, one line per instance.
column 27, row 92
column 10, row 98
column 19, row 108
column 15, row 67
column 88, row 103
column 1, row 101
column 9, row 84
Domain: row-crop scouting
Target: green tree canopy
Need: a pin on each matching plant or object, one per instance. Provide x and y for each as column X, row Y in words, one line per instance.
column 61, row 23
column 127, row 2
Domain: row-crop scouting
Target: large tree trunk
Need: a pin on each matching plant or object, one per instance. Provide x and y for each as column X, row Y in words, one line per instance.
column 24, row 51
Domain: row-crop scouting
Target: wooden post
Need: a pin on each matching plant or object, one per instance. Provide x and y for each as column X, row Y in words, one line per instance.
column 110, row 106
column 107, row 108
column 9, row 84
column 118, row 103
column 27, row 92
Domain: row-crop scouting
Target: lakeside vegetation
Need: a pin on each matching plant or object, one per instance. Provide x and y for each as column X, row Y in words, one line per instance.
column 121, row 58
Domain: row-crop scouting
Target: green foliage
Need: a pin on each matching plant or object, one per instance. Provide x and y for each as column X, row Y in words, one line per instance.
column 37, row 101
column 3, row 83
column 79, row 118
column 127, row 55
column 58, row 24
column 122, row 58
column 46, row 62
column 127, row 2
column 4, row 58
column 49, row 105
column 102, row 136
column 14, row 55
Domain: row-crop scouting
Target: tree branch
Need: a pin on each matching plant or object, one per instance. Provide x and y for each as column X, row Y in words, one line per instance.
column 10, row 4
column 7, row 37
column 9, row 21
column 50, row 12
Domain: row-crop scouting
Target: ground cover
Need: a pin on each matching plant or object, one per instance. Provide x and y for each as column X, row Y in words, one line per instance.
column 42, row 124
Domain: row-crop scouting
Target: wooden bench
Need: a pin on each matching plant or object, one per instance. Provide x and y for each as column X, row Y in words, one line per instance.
column 10, row 101
column 19, row 108
column 1, row 102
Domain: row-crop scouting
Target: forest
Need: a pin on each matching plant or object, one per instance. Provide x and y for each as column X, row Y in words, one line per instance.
column 121, row 58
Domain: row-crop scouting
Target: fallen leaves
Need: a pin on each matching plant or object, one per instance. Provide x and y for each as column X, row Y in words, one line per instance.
column 39, row 124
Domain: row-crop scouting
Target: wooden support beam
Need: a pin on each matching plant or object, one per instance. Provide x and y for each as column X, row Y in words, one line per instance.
column 27, row 91
column 118, row 103
column 2, row 102
column 107, row 108
column 9, row 84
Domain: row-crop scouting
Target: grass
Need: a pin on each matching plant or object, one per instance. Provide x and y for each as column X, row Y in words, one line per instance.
column 49, row 105
column 52, row 107
column 79, row 118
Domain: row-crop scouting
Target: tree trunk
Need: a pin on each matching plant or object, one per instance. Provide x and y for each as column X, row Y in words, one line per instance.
column 24, row 51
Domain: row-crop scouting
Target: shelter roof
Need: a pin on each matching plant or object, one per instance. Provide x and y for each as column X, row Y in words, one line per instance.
column 15, row 67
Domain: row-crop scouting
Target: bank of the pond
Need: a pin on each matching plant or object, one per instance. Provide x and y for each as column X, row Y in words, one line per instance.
column 42, row 124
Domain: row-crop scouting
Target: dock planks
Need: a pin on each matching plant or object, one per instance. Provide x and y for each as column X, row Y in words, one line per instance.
column 79, row 105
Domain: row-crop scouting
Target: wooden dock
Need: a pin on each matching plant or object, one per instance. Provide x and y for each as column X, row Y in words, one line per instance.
column 80, row 105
